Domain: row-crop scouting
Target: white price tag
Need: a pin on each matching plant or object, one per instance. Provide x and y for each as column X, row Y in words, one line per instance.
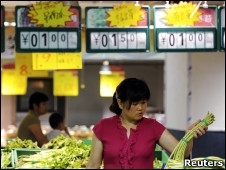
column 72, row 40
column 122, row 40
column 190, row 40
column 113, row 40
column 209, row 40
column 163, row 40
column 104, row 40
column 141, row 40
column 186, row 40
column 62, row 39
column 118, row 40
column 53, row 37
column 180, row 39
column 132, row 40
column 48, row 40
column 199, row 39
column 95, row 40
column 44, row 40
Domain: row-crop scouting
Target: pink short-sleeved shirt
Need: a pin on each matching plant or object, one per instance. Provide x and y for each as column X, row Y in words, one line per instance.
column 122, row 152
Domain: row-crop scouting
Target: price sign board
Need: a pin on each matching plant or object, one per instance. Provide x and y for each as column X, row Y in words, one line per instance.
column 221, row 28
column 2, row 28
column 185, row 28
column 48, row 26
column 65, row 83
column 108, row 29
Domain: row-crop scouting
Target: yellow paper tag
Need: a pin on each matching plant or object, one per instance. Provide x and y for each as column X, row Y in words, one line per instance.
column 65, row 83
column 49, row 14
column 13, row 83
column 182, row 14
column 108, row 83
column 24, row 66
column 54, row 61
column 69, row 60
column 125, row 15
column 44, row 61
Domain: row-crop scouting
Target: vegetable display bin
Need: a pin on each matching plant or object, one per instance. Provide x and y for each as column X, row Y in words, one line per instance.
column 6, row 158
column 161, row 155
column 19, row 152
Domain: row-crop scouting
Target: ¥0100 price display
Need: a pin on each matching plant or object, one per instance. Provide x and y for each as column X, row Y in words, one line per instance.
column 118, row 40
column 178, row 40
column 48, row 40
column 48, row 27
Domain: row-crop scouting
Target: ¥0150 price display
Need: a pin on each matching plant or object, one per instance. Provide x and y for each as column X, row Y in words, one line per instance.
column 123, row 28
column 118, row 40
column 176, row 40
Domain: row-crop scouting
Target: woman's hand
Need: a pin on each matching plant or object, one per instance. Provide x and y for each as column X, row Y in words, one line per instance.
column 200, row 131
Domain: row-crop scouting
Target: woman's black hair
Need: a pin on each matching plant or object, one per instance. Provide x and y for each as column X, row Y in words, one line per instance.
column 37, row 98
column 131, row 90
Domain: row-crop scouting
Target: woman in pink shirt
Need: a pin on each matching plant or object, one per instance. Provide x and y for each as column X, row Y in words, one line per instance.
column 128, row 139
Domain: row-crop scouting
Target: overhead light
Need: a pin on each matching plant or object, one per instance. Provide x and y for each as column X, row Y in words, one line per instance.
column 105, row 68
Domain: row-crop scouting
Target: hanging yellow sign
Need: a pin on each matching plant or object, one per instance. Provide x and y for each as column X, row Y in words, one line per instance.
column 24, row 66
column 13, row 83
column 65, row 83
column 109, row 82
column 49, row 14
column 125, row 15
column 54, row 61
column 182, row 14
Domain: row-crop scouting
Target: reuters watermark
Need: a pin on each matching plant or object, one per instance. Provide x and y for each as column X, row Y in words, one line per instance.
column 203, row 163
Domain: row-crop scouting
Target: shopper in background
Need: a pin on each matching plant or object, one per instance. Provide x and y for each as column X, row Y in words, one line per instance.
column 30, row 126
column 57, row 123
column 128, row 139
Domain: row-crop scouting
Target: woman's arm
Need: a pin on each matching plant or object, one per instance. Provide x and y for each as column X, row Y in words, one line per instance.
column 169, row 142
column 95, row 159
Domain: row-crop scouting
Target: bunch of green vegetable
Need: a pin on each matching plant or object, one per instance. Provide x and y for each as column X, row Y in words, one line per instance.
column 176, row 159
column 61, row 152
column 5, row 159
column 6, row 153
column 18, row 143
column 157, row 164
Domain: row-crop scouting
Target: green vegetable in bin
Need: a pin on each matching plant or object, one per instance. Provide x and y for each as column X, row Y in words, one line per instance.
column 5, row 159
column 60, row 152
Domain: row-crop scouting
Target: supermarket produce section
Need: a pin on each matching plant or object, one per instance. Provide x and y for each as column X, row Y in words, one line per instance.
column 59, row 153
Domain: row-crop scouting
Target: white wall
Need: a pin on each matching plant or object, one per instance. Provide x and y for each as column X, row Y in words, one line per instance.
column 206, row 82
column 208, row 87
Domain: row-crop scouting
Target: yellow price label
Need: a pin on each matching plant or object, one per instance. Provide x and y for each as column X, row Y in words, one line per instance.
column 49, row 13
column 24, row 66
column 44, row 61
column 13, row 83
column 65, row 83
column 125, row 15
column 182, row 14
column 69, row 60
column 108, row 83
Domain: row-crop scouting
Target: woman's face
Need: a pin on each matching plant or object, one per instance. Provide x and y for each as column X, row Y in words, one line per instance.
column 136, row 110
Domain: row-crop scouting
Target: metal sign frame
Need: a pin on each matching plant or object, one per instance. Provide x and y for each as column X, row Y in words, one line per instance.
column 117, row 39
column 31, row 38
column 185, row 39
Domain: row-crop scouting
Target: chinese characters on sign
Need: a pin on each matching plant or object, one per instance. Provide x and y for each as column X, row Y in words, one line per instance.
column 48, row 27
column 123, row 28
column 182, row 28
